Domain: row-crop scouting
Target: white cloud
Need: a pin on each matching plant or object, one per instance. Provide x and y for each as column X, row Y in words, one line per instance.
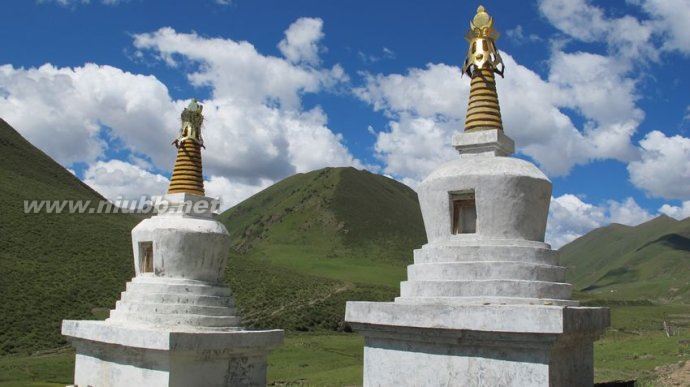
column 116, row 179
column 625, row 36
column 256, row 128
column 255, row 125
column 629, row 37
column 670, row 19
column 570, row 217
column 426, row 106
column 627, row 212
column 301, row 42
column 678, row 212
column 63, row 110
column 664, row 167
column 234, row 70
column 517, row 34
column 231, row 192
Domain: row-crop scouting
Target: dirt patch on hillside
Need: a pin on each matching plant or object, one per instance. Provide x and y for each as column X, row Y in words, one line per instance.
column 677, row 374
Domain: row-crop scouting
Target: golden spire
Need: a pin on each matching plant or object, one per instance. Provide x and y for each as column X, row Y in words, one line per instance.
column 187, row 176
column 482, row 61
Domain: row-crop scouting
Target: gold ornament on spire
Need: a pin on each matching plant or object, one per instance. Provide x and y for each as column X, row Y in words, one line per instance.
column 483, row 60
column 482, row 53
column 187, row 176
column 191, row 124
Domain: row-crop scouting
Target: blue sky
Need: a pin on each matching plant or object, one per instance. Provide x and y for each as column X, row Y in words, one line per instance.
column 596, row 93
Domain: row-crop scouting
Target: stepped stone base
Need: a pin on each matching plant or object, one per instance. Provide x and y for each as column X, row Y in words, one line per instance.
column 477, row 345
column 170, row 332
column 110, row 354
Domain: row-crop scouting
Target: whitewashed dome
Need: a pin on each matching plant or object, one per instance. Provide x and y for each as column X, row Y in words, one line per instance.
column 511, row 197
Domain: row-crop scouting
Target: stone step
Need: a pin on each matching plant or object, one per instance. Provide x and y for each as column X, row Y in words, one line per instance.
column 178, row 288
column 175, row 320
column 444, row 254
column 137, row 307
column 173, row 298
column 486, row 288
column 486, row 270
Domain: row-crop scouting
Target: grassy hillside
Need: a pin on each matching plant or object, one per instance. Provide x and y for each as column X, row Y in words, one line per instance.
column 52, row 266
column 317, row 240
column 301, row 248
column 649, row 261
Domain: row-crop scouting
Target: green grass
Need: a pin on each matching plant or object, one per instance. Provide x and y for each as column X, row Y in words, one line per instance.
column 351, row 269
column 318, row 360
column 52, row 267
column 293, row 300
column 311, row 359
column 317, row 240
column 625, row 352
column 626, row 356
column 49, row 369
column 648, row 261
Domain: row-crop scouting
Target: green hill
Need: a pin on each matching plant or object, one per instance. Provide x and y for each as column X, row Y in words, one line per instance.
column 307, row 244
column 650, row 261
column 301, row 248
column 52, row 266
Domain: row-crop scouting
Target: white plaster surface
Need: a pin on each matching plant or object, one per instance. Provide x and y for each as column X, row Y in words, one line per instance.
column 177, row 325
column 411, row 357
column 484, row 142
column 515, row 318
column 489, row 308
column 512, row 198
column 119, row 355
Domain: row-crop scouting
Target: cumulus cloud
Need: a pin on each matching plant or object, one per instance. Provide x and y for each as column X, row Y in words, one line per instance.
column 301, row 42
column 625, row 36
column 255, row 124
column 117, row 179
column 629, row 37
column 231, row 192
column 664, row 167
column 570, row 217
column 678, row 212
column 256, row 128
column 426, row 106
column 63, row 110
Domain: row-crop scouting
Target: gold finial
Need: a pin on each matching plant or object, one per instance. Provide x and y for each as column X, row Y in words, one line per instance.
column 482, row 52
column 482, row 61
column 187, row 176
column 191, row 124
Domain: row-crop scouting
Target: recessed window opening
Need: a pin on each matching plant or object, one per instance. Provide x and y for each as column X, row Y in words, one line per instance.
column 463, row 212
column 146, row 257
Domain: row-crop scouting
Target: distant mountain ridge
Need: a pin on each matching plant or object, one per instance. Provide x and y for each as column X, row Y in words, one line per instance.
column 649, row 261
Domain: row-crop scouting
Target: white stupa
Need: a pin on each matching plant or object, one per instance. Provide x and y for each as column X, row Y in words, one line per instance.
column 485, row 303
column 176, row 324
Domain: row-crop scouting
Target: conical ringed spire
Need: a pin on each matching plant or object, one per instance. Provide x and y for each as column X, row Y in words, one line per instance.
column 187, row 176
column 482, row 61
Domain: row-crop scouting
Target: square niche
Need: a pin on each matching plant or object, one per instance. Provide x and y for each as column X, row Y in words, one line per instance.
column 463, row 212
column 146, row 257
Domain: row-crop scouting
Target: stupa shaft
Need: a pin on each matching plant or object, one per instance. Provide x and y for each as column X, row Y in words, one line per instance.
column 483, row 110
column 187, row 176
